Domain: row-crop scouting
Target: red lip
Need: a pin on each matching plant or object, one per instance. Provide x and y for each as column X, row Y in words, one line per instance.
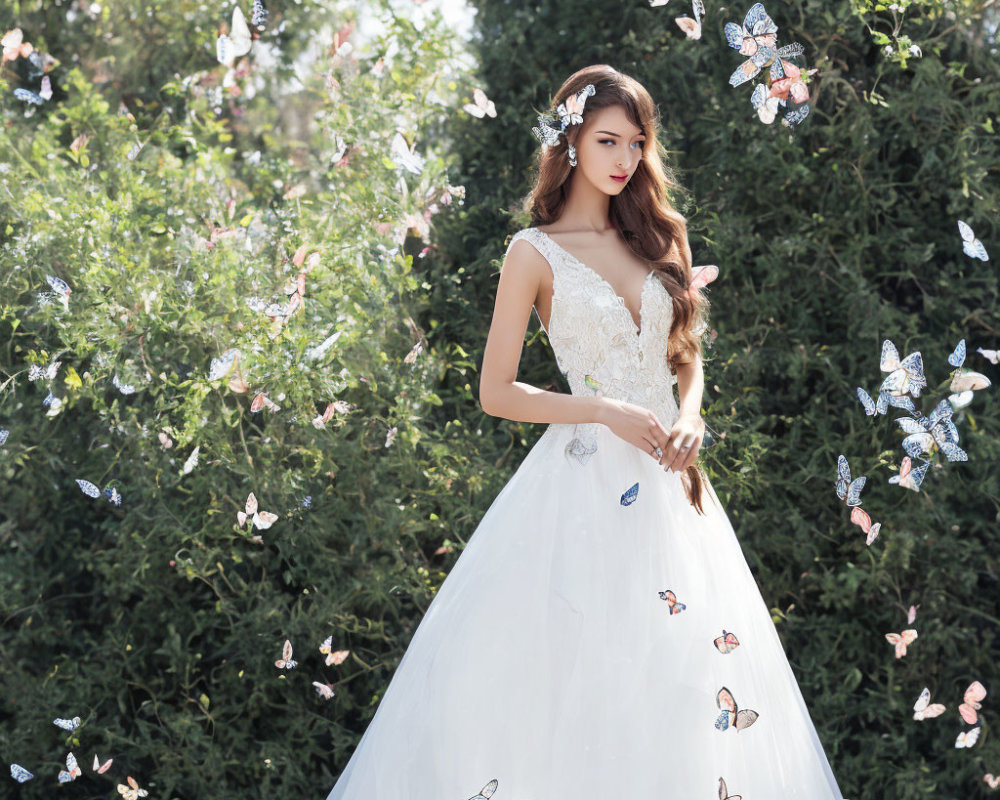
column 619, row 177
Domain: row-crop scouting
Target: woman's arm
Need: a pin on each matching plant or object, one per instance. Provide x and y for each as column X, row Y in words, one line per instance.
column 689, row 429
column 500, row 393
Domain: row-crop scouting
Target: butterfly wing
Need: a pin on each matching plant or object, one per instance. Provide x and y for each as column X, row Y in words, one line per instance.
column 725, row 700
column 629, row 495
column 239, row 33
column 966, row 380
column 957, row 358
column 20, row 774
column 735, row 34
column 88, row 488
column 863, row 396
column 766, row 107
column 889, row 360
column 704, row 275
column 843, row 477
column 745, row 718
column 968, row 738
column 860, row 518
column 854, row 491
column 691, row 27
column 744, row 72
column 975, row 694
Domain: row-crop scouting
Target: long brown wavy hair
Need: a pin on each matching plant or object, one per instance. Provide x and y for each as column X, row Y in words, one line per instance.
column 643, row 214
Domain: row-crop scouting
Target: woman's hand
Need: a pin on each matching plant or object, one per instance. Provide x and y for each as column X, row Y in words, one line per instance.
column 636, row 425
column 685, row 439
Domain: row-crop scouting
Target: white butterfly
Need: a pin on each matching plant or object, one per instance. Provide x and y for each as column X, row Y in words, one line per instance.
column 487, row 791
column 924, row 709
column 68, row 724
column 482, row 105
column 132, row 791
column 993, row 356
column 692, row 26
column 261, row 519
column 325, row 690
column 970, row 244
column 402, row 155
column 20, row 774
column 767, row 107
column 968, row 738
column 192, row 460
column 237, row 43
column 906, row 376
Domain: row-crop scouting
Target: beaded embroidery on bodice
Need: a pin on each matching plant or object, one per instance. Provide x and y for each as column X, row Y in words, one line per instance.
column 594, row 337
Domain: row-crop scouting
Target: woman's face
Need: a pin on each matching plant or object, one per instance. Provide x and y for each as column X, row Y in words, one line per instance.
column 608, row 145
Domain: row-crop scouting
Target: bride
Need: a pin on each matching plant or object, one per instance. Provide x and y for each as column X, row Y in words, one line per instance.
column 601, row 635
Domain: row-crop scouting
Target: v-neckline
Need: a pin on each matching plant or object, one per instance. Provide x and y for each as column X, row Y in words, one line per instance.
column 605, row 282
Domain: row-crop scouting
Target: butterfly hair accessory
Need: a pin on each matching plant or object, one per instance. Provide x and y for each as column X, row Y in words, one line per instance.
column 569, row 113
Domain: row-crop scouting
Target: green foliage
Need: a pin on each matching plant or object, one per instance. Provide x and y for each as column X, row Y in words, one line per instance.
column 175, row 219
column 831, row 237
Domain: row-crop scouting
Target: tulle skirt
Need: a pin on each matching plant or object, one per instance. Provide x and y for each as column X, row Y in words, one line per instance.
column 550, row 661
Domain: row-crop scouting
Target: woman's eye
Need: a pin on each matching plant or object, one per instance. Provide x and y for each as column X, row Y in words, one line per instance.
column 640, row 143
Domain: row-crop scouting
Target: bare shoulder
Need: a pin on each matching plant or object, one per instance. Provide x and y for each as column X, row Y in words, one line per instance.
column 524, row 262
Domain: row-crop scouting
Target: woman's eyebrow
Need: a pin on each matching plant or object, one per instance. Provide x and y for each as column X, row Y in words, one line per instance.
column 612, row 133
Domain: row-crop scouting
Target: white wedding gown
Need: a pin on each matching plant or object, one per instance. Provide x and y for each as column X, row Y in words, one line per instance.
column 548, row 659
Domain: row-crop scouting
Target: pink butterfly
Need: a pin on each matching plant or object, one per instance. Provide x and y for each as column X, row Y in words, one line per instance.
column 993, row 781
column 861, row 519
column 971, row 705
column 701, row 277
column 901, row 640
column 791, row 86
column 100, row 768
column 911, row 615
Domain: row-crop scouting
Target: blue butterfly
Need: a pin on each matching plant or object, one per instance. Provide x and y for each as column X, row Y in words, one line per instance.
column 847, row 490
column 929, row 434
column 965, row 380
column 630, row 494
column 885, row 400
column 20, row 774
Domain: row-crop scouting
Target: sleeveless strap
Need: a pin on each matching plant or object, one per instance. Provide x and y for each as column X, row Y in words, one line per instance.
column 543, row 245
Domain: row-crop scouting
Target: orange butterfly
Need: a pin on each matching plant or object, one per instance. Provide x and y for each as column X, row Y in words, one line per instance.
column 332, row 656
column 901, row 640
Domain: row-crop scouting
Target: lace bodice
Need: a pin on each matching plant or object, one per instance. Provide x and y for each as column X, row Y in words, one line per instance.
column 594, row 337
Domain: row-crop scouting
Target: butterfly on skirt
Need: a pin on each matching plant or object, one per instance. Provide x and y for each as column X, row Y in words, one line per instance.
column 727, row 642
column 487, row 791
column 732, row 716
column 671, row 599
column 724, row 792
